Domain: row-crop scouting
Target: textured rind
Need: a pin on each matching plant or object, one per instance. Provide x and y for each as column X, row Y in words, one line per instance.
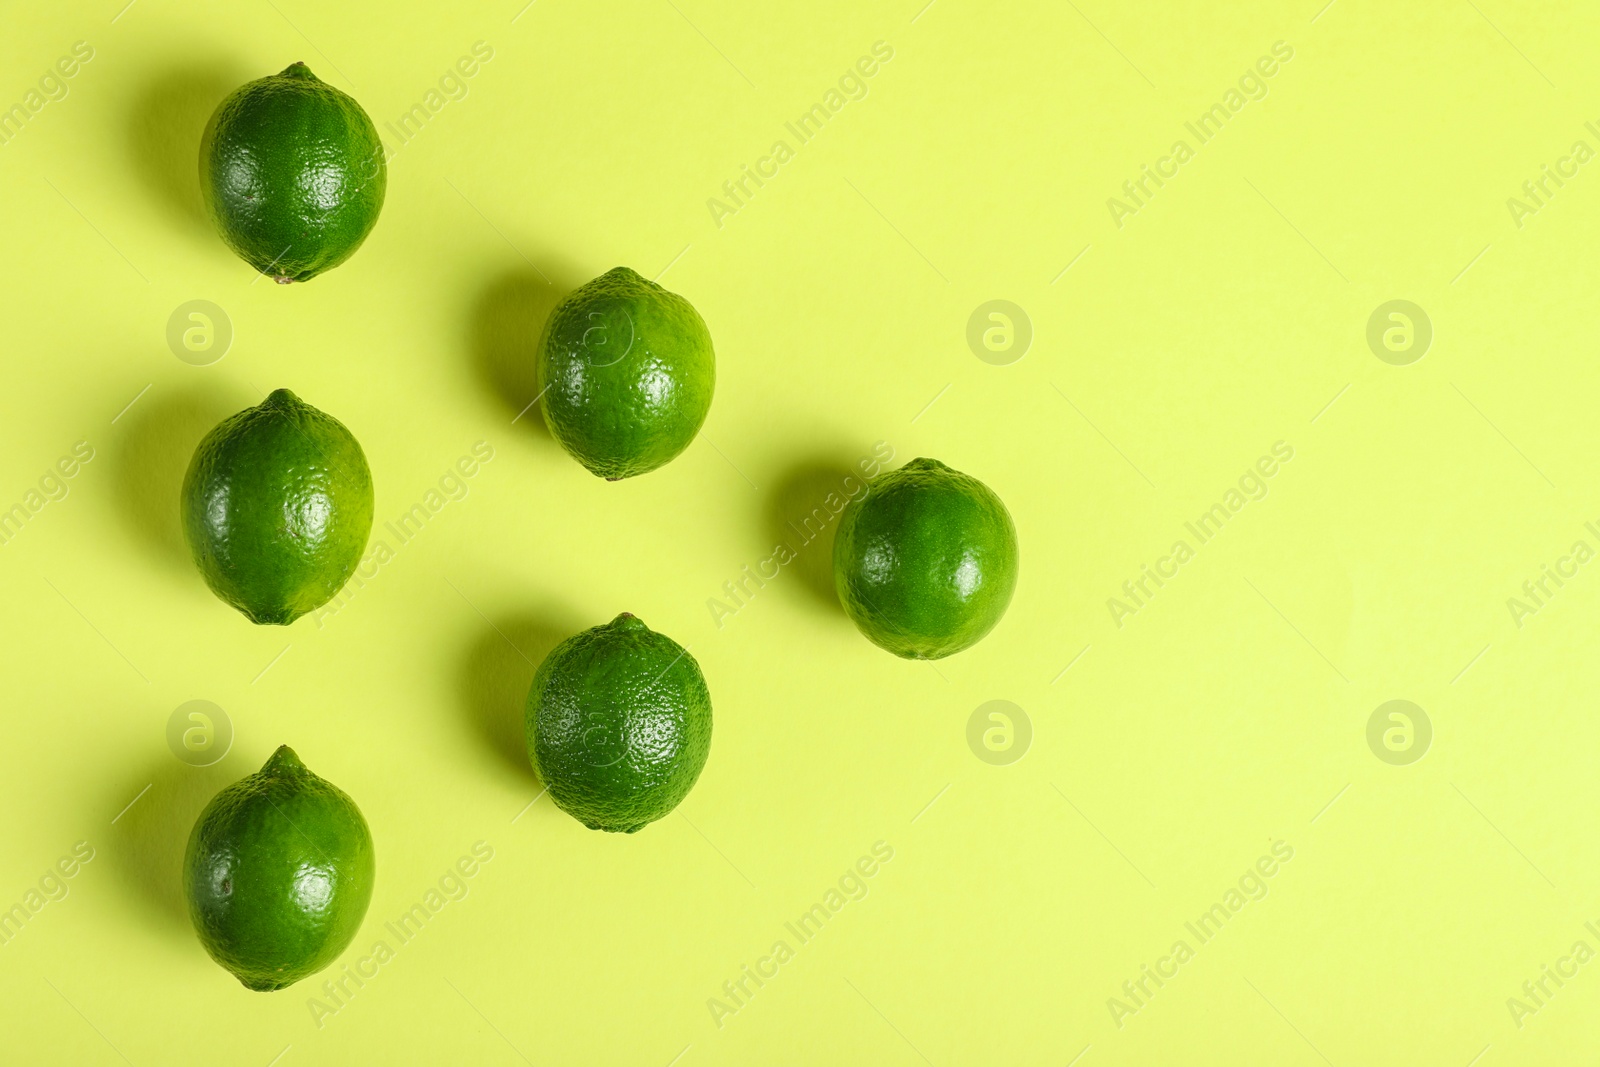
column 626, row 371
column 925, row 562
column 277, row 508
column 618, row 725
column 292, row 174
column 278, row 874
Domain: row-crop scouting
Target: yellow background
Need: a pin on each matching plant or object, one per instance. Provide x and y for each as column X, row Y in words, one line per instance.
column 1230, row 712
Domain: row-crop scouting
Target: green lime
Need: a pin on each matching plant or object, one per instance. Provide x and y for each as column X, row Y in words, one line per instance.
column 626, row 371
column 277, row 506
column 925, row 562
column 619, row 725
column 292, row 174
column 278, row 874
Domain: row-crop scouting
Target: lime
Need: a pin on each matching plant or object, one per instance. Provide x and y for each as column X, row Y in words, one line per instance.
column 626, row 371
column 619, row 725
column 277, row 506
column 292, row 174
column 278, row 874
column 925, row 562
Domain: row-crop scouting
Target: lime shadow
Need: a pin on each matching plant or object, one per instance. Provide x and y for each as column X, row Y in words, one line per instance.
column 496, row 673
column 506, row 324
column 154, row 441
column 163, row 128
column 802, row 512
column 155, row 809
